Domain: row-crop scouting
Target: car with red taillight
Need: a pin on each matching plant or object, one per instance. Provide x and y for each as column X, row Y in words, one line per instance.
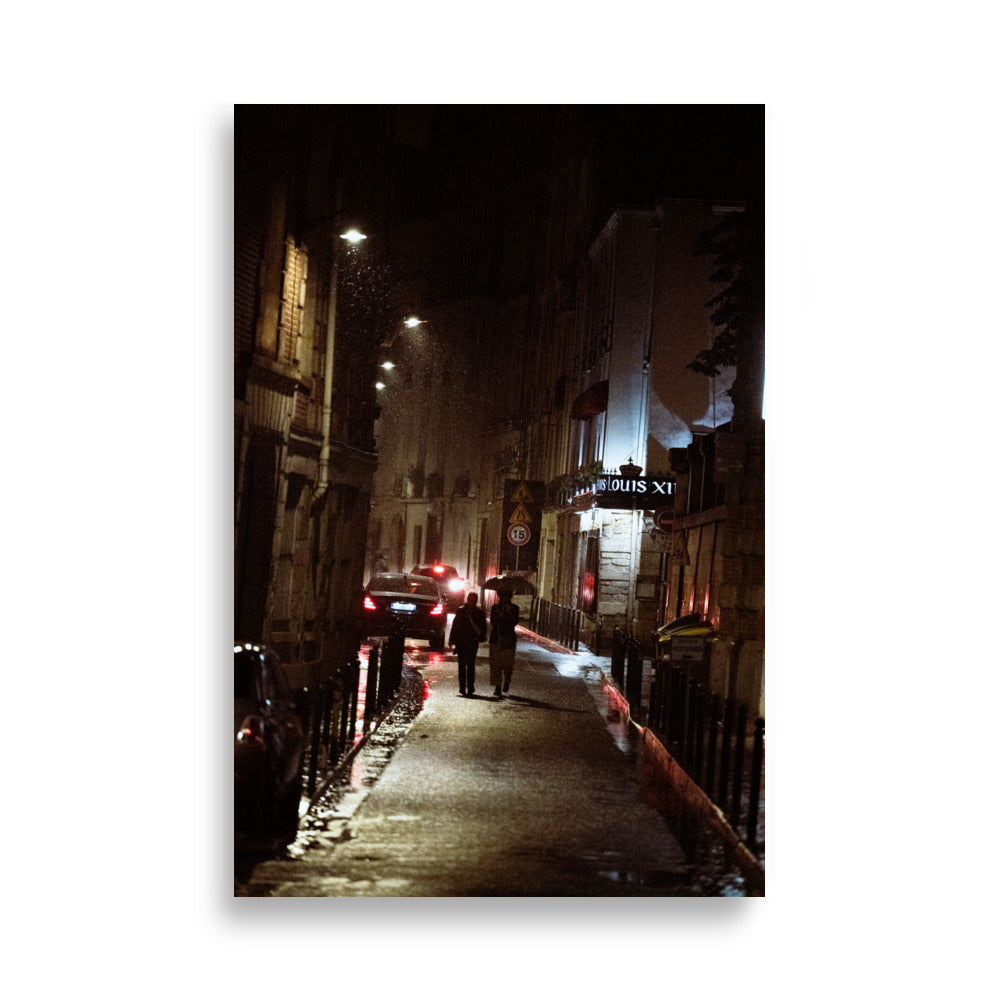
column 409, row 601
column 268, row 750
column 450, row 585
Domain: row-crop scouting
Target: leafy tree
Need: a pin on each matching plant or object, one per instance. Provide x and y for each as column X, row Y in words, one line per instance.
column 737, row 244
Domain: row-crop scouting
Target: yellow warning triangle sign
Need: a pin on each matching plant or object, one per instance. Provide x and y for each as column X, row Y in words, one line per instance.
column 522, row 495
column 520, row 515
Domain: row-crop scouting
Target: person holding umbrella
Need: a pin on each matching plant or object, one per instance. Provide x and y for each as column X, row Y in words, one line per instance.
column 504, row 616
column 468, row 629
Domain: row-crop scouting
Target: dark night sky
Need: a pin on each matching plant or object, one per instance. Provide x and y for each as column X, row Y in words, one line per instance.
column 646, row 151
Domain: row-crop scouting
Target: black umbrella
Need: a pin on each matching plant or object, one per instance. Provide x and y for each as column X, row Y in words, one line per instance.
column 512, row 582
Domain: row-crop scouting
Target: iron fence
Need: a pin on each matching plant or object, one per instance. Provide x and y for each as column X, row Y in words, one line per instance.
column 556, row 622
column 329, row 708
column 705, row 733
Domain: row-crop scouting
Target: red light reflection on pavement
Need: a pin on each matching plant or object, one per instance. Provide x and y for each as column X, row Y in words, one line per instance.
column 359, row 731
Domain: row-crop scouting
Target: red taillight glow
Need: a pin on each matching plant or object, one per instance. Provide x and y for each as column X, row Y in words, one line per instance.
column 251, row 731
column 369, row 604
column 438, row 609
column 438, row 570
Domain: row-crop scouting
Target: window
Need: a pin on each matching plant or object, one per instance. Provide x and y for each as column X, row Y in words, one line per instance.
column 293, row 299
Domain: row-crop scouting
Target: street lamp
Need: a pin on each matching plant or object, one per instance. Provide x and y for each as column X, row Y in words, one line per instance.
column 354, row 238
column 412, row 321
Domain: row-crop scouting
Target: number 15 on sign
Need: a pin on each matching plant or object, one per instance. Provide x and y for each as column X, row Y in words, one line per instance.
column 518, row 534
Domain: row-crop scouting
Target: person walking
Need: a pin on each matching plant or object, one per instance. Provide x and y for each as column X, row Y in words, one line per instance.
column 468, row 630
column 504, row 616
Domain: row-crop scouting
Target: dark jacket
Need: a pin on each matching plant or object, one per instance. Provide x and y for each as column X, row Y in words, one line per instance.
column 468, row 627
column 503, row 623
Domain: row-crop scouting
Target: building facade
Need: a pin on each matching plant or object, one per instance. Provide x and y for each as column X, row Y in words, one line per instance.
column 306, row 333
column 561, row 320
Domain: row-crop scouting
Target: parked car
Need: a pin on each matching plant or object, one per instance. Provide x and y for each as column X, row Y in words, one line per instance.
column 451, row 585
column 411, row 600
column 268, row 744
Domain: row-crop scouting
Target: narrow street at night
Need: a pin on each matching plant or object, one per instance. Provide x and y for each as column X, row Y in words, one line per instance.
column 495, row 350
column 341, row 381
column 529, row 794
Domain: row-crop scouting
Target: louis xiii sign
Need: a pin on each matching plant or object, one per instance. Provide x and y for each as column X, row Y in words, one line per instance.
column 637, row 492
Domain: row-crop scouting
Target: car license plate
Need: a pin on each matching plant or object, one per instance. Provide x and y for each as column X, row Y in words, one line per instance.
column 402, row 606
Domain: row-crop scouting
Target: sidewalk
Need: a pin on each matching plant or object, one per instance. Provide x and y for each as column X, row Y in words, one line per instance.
column 520, row 795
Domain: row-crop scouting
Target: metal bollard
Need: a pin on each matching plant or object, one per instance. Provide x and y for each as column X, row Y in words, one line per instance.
column 670, row 688
column 315, row 709
column 355, row 665
column 756, row 769
column 714, row 715
column 684, row 707
column 633, row 679
column 618, row 657
column 371, row 686
column 326, row 696
column 698, row 732
column 656, row 695
column 727, row 736
column 392, row 665
column 345, row 709
column 741, row 737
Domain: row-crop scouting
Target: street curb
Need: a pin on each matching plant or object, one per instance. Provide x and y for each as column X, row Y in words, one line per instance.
column 669, row 788
column 541, row 640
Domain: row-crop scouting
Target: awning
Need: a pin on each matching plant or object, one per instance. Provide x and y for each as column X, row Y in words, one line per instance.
column 591, row 402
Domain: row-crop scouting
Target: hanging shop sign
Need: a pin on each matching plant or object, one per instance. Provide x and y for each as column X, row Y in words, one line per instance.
column 638, row 492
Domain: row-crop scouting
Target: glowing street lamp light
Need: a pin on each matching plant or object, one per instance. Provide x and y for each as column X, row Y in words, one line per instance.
column 388, row 366
column 353, row 237
column 413, row 321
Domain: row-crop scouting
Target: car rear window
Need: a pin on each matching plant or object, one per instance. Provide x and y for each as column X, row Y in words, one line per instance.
column 401, row 584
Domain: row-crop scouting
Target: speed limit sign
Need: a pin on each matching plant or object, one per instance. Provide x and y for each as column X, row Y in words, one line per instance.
column 518, row 534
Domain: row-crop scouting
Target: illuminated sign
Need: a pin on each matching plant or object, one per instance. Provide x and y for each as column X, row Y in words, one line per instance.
column 641, row 492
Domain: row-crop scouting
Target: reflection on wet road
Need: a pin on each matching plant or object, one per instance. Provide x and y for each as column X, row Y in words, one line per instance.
column 310, row 865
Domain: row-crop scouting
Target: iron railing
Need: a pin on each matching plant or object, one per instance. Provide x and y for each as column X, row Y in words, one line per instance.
column 705, row 733
column 330, row 707
column 556, row 622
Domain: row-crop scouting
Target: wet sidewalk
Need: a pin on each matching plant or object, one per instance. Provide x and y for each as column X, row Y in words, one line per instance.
column 521, row 795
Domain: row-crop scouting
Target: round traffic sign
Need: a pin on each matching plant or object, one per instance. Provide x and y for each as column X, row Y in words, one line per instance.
column 664, row 518
column 518, row 534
